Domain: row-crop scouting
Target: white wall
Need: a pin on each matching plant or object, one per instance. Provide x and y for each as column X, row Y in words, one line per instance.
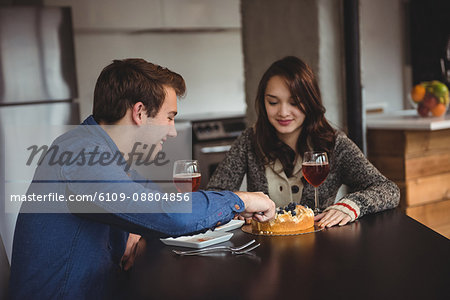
column 331, row 75
column 382, row 53
column 210, row 61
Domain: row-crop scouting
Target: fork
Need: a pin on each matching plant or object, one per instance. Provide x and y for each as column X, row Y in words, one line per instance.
column 246, row 250
column 223, row 251
column 214, row 249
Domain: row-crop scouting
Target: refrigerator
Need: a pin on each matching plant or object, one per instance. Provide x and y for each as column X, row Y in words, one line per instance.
column 37, row 90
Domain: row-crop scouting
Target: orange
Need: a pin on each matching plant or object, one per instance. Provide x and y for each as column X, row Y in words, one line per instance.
column 438, row 110
column 418, row 92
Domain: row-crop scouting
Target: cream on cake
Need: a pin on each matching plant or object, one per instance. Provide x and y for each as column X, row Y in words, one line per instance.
column 293, row 218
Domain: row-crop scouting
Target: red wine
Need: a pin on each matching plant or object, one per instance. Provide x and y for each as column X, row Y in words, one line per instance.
column 187, row 182
column 315, row 173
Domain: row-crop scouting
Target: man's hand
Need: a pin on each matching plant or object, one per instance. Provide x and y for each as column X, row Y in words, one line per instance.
column 247, row 220
column 129, row 255
column 255, row 203
column 332, row 217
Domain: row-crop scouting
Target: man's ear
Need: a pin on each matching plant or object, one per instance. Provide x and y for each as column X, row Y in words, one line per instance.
column 138, row 113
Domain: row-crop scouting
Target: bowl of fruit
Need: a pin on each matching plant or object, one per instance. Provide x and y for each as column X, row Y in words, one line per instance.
column 431, row 98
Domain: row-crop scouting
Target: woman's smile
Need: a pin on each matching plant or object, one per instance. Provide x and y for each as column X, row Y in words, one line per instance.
column 285, row 122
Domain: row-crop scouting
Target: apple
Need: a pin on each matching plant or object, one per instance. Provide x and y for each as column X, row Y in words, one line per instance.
column 430, row 101
column 439, row 89
column 423, row 110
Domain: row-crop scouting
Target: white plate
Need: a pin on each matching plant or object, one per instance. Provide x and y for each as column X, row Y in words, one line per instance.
column 199, row 240
column 233, row 224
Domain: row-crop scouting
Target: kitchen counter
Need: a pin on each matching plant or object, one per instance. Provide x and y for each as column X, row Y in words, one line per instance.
column 414, row 152
column 408, row 120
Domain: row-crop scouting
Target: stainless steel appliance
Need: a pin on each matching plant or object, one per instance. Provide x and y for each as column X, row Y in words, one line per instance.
column 37, row 88
column 212, row 137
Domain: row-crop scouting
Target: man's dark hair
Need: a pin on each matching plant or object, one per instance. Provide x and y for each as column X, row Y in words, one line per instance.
column 126, row 82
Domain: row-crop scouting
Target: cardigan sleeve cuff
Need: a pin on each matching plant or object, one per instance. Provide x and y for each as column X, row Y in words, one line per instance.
column 346, row 206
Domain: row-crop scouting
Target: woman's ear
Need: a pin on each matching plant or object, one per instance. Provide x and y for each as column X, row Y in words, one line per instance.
column 138, row 113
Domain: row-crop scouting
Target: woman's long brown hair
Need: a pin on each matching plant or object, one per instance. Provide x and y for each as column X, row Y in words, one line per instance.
column 305, row 92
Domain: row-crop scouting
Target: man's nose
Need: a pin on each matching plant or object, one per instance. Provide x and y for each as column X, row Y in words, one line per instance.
column 172, row 131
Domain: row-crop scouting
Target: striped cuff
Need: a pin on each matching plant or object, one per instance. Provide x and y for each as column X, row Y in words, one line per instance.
column 346, row 206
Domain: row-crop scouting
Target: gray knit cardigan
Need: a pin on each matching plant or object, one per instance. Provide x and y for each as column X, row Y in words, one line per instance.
column 368, row 188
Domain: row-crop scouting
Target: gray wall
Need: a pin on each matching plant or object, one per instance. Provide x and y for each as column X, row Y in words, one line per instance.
column 385, row 77
column 309, row 29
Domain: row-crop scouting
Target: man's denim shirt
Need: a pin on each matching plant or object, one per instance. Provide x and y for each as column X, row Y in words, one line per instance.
column 63, row 255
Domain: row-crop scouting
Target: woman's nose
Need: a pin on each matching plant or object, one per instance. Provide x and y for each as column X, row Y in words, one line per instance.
column 284, row 110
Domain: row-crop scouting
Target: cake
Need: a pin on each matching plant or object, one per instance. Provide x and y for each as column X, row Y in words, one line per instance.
column 288, row 220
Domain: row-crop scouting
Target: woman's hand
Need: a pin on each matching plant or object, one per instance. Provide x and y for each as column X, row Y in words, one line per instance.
column 332, row 217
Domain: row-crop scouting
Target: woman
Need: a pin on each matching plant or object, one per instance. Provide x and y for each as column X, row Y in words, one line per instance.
column 291, row 121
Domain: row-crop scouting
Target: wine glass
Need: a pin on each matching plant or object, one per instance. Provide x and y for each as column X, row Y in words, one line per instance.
column 186, row 175
column 315, row 169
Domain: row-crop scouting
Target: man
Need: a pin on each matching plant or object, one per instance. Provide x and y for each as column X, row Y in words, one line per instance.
column 63, row 249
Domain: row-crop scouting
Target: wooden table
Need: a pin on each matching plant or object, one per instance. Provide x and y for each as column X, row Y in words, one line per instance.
column 382, row 256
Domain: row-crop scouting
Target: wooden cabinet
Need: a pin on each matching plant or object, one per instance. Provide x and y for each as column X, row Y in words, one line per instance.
column 418, row 161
